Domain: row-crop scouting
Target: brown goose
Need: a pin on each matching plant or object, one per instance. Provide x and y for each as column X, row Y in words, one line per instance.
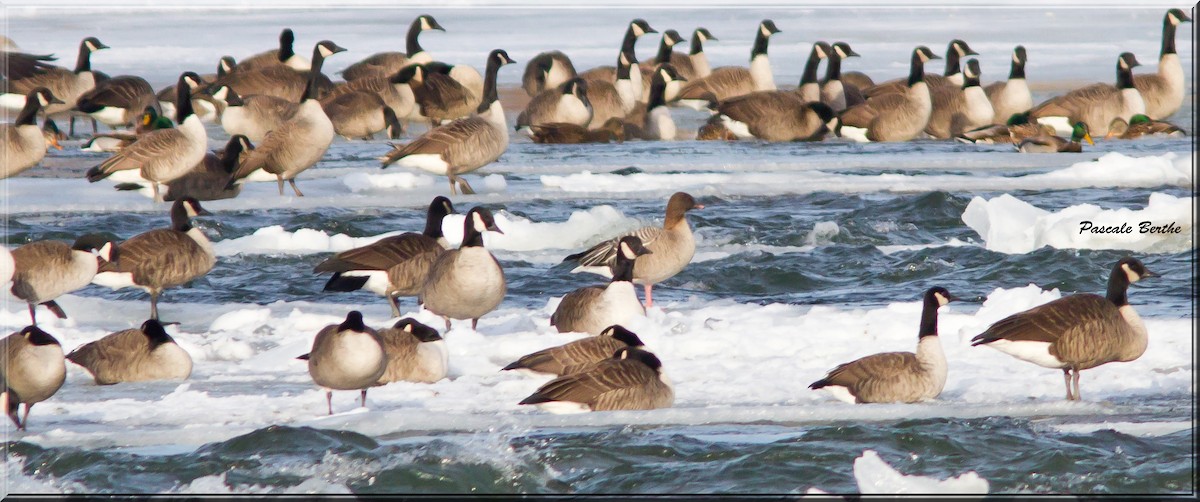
column 546, row 70
column 579, row 354
column 612, row 99
column 670, row 39
column 1163, row 91
column 694, row 64
column 809, row 88
column 835, row 92
column 361, row 115
column 729, row 81
column 776, row 116
column 631, row 380
column 45, row 270
column 393, row 266
column 134, row 355
column 468, row 282
column 32, row 369
column 896, row 377
column 955, row 51
column 202, row 102
column 438, row 96
column 1096, row 104
column 671, row 245
column 1011, row 96
column 464, row 145
column 655, row 123
column 393, row 89
column 251, row 116
column 209, row 180
column 1076, row 332
column 25, row 72
column 282, row 81
column 22, row 144
column 383, row 64
column 567, row 103
column 285, row 56
column 118, row 101
column 346, row 356
column 415, row 353
column 959, row 109
column 161, row 258
column 893, row 116
column 593, row 308
column 613, row 130
column 165, row 154
column 636, row 29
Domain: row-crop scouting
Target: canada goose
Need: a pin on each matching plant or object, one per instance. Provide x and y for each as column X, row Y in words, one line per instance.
column 1096, row 104
column 809, row 88
column 252, row 116
column 612, row 99
column 896, row 377
column 467, row 282
column 23, row 144
column 1141, row 125
column 414, row 352
column 282, row 81
column 116, row 140
column 1011, row 96
column 729, row 81
column 836, row 93
column 567, row 103
column 209, row 180
column 1055, row 144
column 285, row 55
column 547, row 70
column 134, row 355
column 578, row 355
column 202, row 103
column 383, row 64
column 1016, row 129
column 392, row 89
column 393, row 266
column 656, row 123
column 463, row 145
column 893, row 116
column 776, row 116
column 637, row 28
column 118, row 101
column 591, row 309
column 1163, row 91
column 671, row 245
column 1076, row 332
column 955, row 51
column 670, row 39
column 439, row 97
column 346, row 356
column 164, row 154
column 25, row 72
column 361, row 115
column 858, row 79
column 45, row 270
column 292, row 147
column 613, row 130
column 694, row 64
column 32, row 369
column 959, row 109
column 631, row 380
column 161, row 258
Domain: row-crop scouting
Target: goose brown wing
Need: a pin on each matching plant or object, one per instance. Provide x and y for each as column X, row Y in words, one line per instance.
column 584, row 387
column 144, row 252
column 1051, row 321
column 883, row 366
column 605, row 253
column 1073, row 103
column 761, row 105
column 149, row 146
column 381, row 255
column 124, row 91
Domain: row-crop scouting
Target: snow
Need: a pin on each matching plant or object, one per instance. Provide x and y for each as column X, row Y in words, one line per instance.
column 875, row 476
column 1010, row 225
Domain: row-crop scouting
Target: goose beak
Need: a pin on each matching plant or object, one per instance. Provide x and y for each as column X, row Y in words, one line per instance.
column 1148, row 273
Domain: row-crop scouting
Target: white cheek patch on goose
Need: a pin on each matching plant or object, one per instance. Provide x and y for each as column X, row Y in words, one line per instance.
column 42, row 99
column 480, row 226
column 325, row 52
column 941, row 299
column 763, row 29
column 821, row 53
column 637, row 30
column 1130, row 274
column 840, row 52
column 408, row 328
column 91, row 47
column 1016, row 59
column 425, row 23
column 625, row 250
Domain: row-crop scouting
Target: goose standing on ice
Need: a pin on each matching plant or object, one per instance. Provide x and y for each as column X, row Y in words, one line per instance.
column 134, row 355
column 593, row 308
column 1076, row 332
column 896, row 377
column 578, row 355
column 463, row 145
column 1097, row 104
column 632, row 379
column 1011, row 96
column 383, row 64
column 346, row 356
column 24, row 73
column 468, row 282
column 23, row 144
column 32, row 369
column 162, row 258
column 1163, row 91
column 414, row 352
column 728, row 81
column 209, row 180
column 45, row 270
column 671, row 246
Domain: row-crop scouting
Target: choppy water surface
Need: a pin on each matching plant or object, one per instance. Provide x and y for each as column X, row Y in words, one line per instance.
column 808, row 255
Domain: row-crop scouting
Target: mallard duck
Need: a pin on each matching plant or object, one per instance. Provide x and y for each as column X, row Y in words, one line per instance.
column 1055, row 144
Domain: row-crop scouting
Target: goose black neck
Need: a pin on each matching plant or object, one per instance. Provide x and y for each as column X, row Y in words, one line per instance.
column 1168, row 37
column 433, row 222
column 179, row 218
column 229, row 158
column 810, row 69
column 664, row 52
column 1124, row 77
column 623, row 67
column 489, row 86
column 411, row 45
column 472, row 237
column 28, row 115
column 310, row 85
column 622, row 270
column 952, row 64
column 1118, row 286
column 697, row 45
column 155, row 334
column 318, row 60
column 286, row 50
column 929, row 317
column 627, row 46
column 1017, row 70
column 183, row 100
column 232, row 98
column 84, row 61
column 916, row 72
column 834, row 70
column 970, row 81
column 658, row 89
column 760, row 44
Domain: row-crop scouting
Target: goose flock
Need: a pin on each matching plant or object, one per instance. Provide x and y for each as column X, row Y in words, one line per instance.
column 282, row 114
